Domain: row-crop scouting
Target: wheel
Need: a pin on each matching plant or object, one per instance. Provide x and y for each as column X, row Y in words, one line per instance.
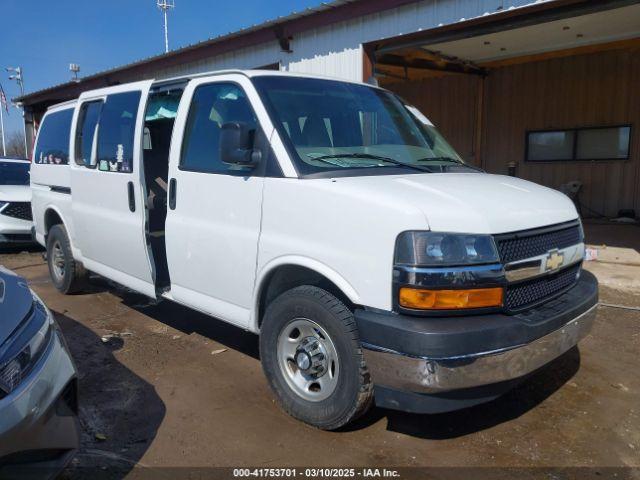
column 67, row 275
column 311, row 356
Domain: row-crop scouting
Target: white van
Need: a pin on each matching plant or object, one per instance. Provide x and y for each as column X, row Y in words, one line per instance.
column 330, row 218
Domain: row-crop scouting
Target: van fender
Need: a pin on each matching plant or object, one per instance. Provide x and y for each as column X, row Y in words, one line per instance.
column 300, row 261
column 76, row 253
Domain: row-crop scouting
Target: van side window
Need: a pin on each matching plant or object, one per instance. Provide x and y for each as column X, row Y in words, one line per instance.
column 116, row 132
column 211, row 106
column 85, row 132
column 53, row 140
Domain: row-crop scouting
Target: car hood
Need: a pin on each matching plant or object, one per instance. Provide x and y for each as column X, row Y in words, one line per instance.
column 470, row 202
column 15, row 302
column 15, row 193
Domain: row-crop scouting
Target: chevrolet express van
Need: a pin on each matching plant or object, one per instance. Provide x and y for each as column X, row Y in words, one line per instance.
column 329, row 217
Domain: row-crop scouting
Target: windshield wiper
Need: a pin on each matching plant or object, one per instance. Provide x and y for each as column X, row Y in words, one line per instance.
column 370, row 156
column 450, row 160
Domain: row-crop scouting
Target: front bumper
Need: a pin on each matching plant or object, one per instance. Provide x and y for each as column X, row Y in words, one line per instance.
column 39, row 429
column 14, row 230
column 437, row 356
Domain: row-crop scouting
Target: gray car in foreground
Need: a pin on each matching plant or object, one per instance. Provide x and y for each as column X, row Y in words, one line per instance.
column 39, row 430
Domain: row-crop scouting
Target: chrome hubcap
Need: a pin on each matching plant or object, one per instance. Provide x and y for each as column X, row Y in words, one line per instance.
column 57, row 261
column 308, row 359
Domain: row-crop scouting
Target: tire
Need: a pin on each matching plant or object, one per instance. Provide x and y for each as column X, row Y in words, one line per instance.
column 67, row 275
column 338, row 386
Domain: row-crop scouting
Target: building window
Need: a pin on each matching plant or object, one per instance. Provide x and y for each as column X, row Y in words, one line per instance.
column 590, row 143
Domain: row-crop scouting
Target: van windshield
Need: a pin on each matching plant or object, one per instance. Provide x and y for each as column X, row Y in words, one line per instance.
column 332, row 126
column 14, row 173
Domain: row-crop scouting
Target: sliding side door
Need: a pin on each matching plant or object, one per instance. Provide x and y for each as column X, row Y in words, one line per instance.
column 106, row 184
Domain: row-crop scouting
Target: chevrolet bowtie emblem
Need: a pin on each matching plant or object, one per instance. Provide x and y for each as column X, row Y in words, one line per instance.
column 554, row 260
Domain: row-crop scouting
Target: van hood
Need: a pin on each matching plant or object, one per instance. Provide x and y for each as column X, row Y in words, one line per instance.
column 15, row 302
column 470, row 202
column 15, row 193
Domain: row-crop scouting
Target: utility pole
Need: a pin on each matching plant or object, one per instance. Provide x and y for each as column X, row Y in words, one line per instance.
column 17, row 75
column 165, row 6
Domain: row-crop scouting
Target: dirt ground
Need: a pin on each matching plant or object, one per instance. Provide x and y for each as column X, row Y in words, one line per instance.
column 162, row 385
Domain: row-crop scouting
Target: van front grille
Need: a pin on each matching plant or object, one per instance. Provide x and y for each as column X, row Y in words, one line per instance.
column 531, row 243
column 526, row 294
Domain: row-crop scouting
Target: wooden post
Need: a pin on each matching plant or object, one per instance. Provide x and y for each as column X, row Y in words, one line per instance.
column 368, row 62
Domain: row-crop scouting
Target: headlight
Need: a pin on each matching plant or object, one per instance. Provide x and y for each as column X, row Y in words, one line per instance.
column 20, row 353
column 444, row 249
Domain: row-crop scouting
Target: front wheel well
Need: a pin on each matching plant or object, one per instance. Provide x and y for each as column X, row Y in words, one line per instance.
column 286, row 277
column 51, row 218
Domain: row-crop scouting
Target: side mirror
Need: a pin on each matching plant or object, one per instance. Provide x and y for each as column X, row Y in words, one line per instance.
column 236, row 145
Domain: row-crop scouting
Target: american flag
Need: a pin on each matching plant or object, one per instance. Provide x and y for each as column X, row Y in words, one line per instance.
column 3, row 99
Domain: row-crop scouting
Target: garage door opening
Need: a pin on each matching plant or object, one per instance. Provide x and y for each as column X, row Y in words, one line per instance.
column 550, row 98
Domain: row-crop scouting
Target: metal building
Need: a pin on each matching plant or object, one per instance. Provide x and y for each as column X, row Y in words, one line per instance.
column 548, row 90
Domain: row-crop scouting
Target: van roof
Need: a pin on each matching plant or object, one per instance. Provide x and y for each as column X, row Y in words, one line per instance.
column 246, row 73
column 257, row 73
column 63, row 105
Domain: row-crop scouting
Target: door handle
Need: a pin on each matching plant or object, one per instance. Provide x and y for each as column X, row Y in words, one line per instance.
column 172, row 194
column 132, row 198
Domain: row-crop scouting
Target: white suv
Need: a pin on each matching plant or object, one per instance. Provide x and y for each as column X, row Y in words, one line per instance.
column 15, row 201
column 330, row 218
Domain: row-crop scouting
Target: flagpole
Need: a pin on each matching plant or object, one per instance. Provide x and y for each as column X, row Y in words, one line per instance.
column 4, row 149
column 3, row 103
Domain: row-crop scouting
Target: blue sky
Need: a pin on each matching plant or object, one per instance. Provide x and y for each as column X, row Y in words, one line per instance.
column 43, row 37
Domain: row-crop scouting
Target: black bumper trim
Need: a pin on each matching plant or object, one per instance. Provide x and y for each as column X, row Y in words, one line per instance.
column 460, row 336
column 432, row 403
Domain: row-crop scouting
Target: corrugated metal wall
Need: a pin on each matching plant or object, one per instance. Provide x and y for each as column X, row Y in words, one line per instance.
column 245, row 59
column 450, row 102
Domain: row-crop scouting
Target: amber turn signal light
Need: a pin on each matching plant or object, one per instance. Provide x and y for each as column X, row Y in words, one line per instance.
column 418, row 298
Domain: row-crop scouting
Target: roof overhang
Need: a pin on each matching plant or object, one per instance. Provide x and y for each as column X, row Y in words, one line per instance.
column 473, row 46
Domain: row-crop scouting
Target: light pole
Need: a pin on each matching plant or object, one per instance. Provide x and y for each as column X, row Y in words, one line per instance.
column 16, row 74
column 75, row 69
column 165, row 6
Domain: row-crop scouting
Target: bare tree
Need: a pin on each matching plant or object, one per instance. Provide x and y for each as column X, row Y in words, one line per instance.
column 15, row 145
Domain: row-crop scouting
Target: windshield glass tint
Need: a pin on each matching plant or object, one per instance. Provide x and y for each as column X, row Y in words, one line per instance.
column 14, row 173
column 332, row 125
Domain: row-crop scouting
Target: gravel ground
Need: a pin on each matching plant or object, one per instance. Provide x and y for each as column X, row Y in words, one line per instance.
column 164, row 386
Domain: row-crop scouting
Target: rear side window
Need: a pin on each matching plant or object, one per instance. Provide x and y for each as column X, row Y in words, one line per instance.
column 116, row 131
column 53, row 139
column 86, row 130
column 212, row 105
